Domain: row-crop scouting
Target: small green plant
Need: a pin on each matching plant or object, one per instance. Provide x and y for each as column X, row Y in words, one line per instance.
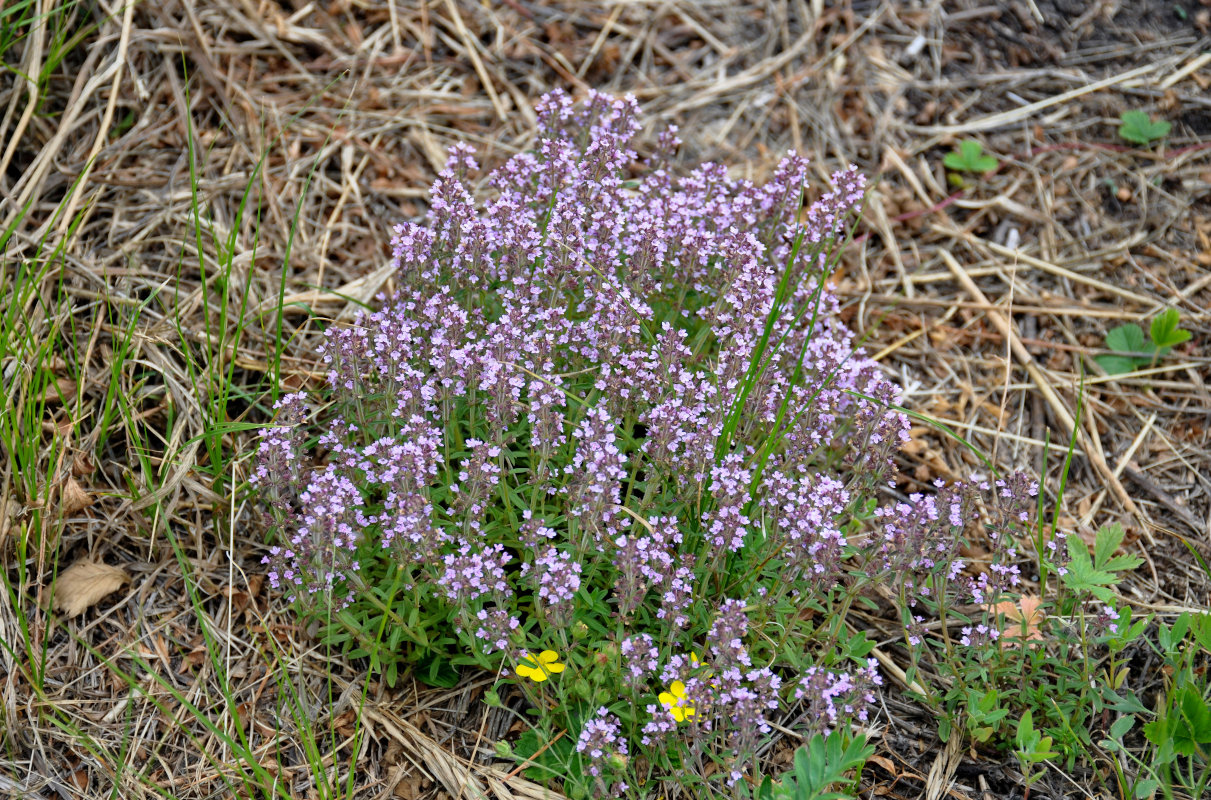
column 1032, row 675
column 819, row 765
column 1133, row 352
column 1180, row 733
column 1139, row 128
column 969, row 157
column 1031, row 747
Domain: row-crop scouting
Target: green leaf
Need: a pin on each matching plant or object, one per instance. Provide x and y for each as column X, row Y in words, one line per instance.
column 1191, row 737
column 433, row 670
column 818, row 765
column 1200, row 626
column 1139, row 128
column 552, row 762
column 1107, row 540
column 969, row 158
column 1127, row 338
column 1165, row 331
column 1083, row 576
column 1026, row 736
column 1116, row 365
column 1121, row 725
column 1125, row 705
column 1146, row 788
column 1180, row 626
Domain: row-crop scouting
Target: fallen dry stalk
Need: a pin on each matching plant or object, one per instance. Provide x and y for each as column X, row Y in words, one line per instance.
column 1091, row 447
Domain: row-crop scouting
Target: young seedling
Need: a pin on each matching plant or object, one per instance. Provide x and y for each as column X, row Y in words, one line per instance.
column 969, row 157
column 1031, row 748
column 1139, row 128
column 1133, row 352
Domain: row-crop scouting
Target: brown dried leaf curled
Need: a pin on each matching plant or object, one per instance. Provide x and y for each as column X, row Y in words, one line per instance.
column 84, row 584
column 73, row 498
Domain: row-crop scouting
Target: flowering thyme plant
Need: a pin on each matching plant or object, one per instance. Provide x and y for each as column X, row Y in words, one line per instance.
column 611, row 440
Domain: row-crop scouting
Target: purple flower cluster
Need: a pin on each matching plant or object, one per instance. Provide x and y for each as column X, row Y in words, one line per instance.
column 727, row 706
column 726, row 637
column 279, row 455
column 831, row 696
column 320, row 552
column 606, row 750
column 495, row 629
column 473, row 574
column 556, row 577
column 741, row 702
column 978, row 635
column 611, row 381
column 525, row 335
column 640, row 657
column 921, row 539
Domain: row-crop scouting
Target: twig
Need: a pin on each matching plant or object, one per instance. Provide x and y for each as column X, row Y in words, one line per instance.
column 1090, row 448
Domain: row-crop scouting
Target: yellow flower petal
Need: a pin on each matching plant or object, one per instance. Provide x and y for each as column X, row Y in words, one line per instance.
column 548, row 656
column 667, row 699
column 556, row 667
column 677, row 688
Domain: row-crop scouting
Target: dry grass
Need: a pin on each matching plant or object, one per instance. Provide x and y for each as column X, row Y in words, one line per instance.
column 196, row 190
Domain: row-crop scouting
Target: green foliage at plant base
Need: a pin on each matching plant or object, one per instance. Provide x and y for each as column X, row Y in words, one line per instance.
column 819, row 765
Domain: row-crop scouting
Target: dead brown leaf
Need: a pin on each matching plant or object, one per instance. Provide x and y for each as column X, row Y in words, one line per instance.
column 61, row 389
column 1023, row 619
column 86, row 583
column 82, row 464
column 73, row 498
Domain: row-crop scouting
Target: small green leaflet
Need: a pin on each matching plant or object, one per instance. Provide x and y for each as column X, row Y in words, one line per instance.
column 1139, row 128
column 969, row 158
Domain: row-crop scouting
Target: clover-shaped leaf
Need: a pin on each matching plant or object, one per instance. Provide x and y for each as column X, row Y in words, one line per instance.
column 1139, row 128
column 969, row 158
column 1165, row 333
column 1127, row 339
column 1133, row 351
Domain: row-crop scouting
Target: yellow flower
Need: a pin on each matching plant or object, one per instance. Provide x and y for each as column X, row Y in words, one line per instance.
column 674, row 701
column 540, row 667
